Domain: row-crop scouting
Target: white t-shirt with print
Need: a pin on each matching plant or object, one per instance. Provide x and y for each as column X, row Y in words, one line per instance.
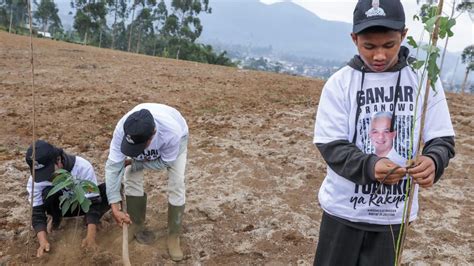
column 335, row 120
column 170, row 128
column 82, row 170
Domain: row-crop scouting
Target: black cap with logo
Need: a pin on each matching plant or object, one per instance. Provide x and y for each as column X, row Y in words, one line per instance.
column 45, row 159
column 383, row 13
column 138, row 128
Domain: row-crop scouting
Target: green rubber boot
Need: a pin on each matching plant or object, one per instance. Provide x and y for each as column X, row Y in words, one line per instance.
column 175, row 220
column 136, row 208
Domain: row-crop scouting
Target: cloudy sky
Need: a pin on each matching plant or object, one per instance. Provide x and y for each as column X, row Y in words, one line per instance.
column 341, row 10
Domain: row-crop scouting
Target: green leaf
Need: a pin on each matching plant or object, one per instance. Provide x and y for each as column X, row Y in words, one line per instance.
column 66, row 206
column 433, row 69
column 62, row 171
column 429, row 48
column 58, row 179
column 59, row 186
column 85, row 205
column 412, row 42
column 451, row 23
column 418, row 64
column 430, row 23
column 89, row 186
column 428, row 12
column 74, row 206
column 449, row 26
column 62, row 198
column 80, row 194
column 60, row 175
column 74, row 196
column 443, row 21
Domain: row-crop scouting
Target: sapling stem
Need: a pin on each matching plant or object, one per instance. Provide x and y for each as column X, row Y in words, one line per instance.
column 407, row 208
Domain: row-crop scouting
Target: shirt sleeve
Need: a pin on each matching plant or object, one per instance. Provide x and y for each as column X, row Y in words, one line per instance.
column 114, row 167
column 113, row 179
column 332, row 117
column 37, row 199
column 438, row 120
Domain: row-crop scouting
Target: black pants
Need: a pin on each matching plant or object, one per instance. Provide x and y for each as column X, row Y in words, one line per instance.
column 340, row 244
column 99, row 206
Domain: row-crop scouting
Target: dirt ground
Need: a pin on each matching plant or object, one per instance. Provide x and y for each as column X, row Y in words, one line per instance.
column 253, row 173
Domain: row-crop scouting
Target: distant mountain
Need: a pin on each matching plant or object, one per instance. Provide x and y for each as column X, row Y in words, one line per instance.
column 290, row 31
column 283, row 30
column 286, row 27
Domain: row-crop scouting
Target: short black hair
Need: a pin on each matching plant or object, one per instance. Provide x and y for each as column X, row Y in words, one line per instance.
column 379, row 29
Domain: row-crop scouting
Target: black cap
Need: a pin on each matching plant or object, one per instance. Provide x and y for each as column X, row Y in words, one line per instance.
column 45, row 158
column 138, row 128
column 383, row 13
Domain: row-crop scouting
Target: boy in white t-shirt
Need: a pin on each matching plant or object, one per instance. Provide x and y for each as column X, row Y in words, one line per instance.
column 48, row 159
column 361, row 222
column 151, row 136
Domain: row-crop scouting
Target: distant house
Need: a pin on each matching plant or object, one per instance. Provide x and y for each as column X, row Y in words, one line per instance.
column 44, row 34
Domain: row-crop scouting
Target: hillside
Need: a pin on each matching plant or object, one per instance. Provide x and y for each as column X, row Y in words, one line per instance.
column 253, row 173
column 287, row 27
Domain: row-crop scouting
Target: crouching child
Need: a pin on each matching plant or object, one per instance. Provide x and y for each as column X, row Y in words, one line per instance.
column 48, row 159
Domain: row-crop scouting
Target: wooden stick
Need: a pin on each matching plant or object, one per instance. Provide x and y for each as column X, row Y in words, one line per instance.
column 125, row 253
column 33, row 157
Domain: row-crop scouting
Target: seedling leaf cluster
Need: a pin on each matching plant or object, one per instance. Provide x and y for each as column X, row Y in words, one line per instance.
column 74, row 191
column 429, row 66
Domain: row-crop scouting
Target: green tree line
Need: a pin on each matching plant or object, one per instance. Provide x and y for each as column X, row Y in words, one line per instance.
column 140, row 26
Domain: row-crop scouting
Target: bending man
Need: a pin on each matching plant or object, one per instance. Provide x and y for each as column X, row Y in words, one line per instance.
column 150, row 136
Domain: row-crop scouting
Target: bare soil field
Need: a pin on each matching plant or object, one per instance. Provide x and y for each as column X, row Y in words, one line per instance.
column 253, row 173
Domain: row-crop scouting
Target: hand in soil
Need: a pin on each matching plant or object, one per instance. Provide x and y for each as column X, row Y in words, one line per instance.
column 44, row 247
column 89, row 244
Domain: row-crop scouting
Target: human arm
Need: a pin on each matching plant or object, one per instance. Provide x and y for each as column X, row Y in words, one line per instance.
column 39, row 223
column 89, row 241
column 440, row 150
column 350, row 162
column 113, row 176
column 114, row 170
column 38, row 219
column 430, row 166
column 43, row 243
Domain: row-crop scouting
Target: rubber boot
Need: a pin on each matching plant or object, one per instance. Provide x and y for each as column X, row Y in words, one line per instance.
column 136, row 208
column 175, row 220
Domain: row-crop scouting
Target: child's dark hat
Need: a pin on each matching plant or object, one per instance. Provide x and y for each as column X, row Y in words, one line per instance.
column 378, row 13
column 45, row 159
